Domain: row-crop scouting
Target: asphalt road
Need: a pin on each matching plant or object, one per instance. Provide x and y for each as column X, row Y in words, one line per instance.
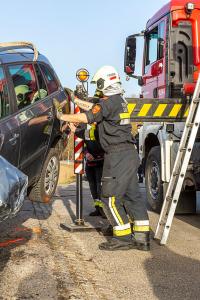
column 40, row 260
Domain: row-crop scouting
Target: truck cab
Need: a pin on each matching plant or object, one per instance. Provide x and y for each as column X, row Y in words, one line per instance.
column 170, row 68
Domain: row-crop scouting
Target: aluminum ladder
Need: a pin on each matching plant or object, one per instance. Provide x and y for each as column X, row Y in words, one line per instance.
column 180, row 168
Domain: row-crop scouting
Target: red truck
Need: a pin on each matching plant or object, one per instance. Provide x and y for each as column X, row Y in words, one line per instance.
column 171, row 64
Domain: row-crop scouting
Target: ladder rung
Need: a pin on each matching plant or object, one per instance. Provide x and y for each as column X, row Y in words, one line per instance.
column 169, row 198
column 190, row 125
column 196, row 101
column 176, row 174
column 162, row 223
column 184, row 149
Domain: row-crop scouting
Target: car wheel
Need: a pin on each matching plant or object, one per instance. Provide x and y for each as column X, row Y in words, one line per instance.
column 154, row 186
column 45, row 188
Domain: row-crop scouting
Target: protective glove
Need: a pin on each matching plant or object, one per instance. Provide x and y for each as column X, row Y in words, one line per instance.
column 58, row 108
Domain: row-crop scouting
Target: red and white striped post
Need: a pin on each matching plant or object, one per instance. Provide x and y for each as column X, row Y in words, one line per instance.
column 79, row 224
column 79, row 171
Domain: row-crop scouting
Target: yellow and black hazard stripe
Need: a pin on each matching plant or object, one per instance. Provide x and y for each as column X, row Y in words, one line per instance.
column 156, row 110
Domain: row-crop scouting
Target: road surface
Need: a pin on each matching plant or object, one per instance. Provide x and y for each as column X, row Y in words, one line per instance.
column 40, row 260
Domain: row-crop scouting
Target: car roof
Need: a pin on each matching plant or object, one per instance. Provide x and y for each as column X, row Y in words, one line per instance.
column 16, row 56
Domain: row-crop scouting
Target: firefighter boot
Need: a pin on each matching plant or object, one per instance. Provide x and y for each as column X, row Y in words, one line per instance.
column 115, row 244
column 103, row 215
column 96, row 212
column 141, row 240
column 140, row 179
column 107, row 231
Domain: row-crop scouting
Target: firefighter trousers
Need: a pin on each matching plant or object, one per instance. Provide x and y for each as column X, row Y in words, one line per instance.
column 94, row 175
column 123, row 204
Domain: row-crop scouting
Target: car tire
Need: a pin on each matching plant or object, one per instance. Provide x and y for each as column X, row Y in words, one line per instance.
column 45, row 187
column 154, row 185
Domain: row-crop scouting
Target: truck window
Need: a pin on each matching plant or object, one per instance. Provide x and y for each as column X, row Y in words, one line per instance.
column 51, row 81
column 25, row 84
column 4, row 101
column 154, row 45
column 161, row 39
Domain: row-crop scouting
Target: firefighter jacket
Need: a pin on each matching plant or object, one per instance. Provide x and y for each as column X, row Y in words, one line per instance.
column 113, row 128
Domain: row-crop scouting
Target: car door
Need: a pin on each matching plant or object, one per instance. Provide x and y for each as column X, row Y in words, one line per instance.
column 34, row 117
column 9, row 125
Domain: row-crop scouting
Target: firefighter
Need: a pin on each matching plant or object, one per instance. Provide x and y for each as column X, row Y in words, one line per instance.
column 123, row 203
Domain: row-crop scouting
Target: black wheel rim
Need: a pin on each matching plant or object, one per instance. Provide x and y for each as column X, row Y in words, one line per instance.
column 154, row 180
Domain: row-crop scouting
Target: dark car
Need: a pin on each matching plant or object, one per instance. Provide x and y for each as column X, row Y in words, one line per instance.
column 30, row 136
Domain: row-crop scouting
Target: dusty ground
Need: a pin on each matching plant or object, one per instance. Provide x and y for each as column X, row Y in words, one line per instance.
column 39, row 260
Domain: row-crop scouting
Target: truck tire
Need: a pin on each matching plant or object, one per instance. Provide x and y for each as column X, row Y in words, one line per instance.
column 154, row 185
column 45, row 187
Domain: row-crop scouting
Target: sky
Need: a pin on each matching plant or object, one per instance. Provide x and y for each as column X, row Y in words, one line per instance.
column 75, row 34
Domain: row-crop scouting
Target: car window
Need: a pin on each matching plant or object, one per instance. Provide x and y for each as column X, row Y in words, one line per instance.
column 4, row 101
column 52, row 83
column 42, row 85
column 25, row 84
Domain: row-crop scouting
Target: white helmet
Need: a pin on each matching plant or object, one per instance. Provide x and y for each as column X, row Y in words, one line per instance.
column 105, row 77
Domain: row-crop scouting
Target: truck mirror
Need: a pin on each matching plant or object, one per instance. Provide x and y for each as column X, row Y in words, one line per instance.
column 130, row 55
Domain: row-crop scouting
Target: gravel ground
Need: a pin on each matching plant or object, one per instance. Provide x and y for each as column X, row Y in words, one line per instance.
column 40, row 260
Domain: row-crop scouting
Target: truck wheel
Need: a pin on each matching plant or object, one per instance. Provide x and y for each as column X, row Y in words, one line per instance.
column 45, row 188
column 154, row 186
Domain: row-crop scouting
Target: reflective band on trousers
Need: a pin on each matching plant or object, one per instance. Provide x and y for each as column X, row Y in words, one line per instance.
column 141, row 226
column 141, row 223
column 114, row 211
column 98, row 203
column 122, row 230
